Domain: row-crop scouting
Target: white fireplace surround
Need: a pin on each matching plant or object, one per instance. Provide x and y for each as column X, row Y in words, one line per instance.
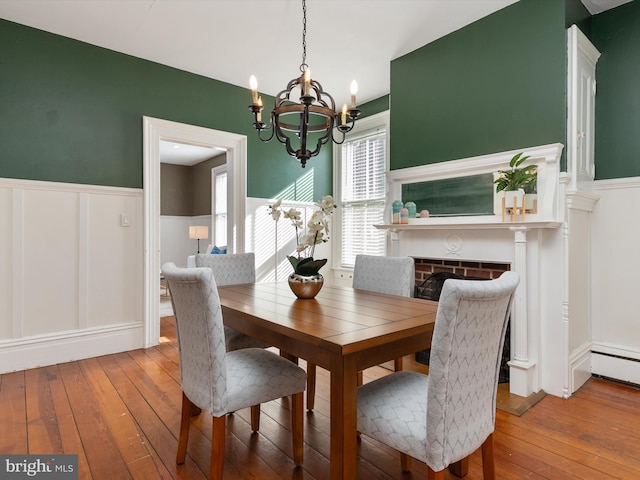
column 543, row 354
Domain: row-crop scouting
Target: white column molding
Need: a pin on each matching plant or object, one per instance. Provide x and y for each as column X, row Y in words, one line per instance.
column 520, row 367
column 566, row 389
column 17, row 254
column 83, row 260
column 394, row 243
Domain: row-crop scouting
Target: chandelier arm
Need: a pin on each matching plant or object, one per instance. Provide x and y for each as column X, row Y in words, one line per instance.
column 344, row 136
column 321, row 141
column 282, row 138
column 268, row 129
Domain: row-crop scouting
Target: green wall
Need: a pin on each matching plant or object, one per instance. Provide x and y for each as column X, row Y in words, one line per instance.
column 497, row 84
column 616, row 34
column 576, row 13
column 72, row 112
column 372, row 107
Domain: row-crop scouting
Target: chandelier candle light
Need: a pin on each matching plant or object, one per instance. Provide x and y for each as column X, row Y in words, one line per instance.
column 315, row 112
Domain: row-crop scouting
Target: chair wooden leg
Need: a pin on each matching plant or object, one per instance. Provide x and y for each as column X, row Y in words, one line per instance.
column 431, row 475
column 397, row 364
column 405, row 462
column 297, row 428
column 460, row 468
column 311, row 385
column 255, row 418
column 217, row 447
column 185, row 422
column 195, row 411
column 488, row 467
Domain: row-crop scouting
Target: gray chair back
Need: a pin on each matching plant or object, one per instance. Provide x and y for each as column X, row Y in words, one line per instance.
column 464, row 366
column 230, row 269
column 392, row 275
column 201, row 337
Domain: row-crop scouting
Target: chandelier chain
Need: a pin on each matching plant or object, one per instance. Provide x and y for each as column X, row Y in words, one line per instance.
column 303, row 65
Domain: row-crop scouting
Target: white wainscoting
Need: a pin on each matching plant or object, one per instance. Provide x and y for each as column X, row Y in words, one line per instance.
column 72, row 278
column 616, row 263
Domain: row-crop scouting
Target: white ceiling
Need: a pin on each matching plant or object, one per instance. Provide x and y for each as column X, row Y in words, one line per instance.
column 185, row 154
column 599, row 6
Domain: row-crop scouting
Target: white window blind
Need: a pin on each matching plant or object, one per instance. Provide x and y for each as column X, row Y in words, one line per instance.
column 220, row 208
column 363, row 190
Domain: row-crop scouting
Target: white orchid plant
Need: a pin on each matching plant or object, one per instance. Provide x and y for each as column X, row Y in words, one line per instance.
column 317, row 232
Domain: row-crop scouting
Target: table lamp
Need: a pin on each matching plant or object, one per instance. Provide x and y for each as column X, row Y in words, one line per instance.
column 198, row 232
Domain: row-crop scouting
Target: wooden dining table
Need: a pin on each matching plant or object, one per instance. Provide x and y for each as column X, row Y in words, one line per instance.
column 343, row 330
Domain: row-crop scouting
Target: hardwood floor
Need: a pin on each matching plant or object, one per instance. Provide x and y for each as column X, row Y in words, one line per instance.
column 121, row 413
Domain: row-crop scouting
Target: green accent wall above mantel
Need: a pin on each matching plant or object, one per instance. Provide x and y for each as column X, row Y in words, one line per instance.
column 72, row 112
column 498, row 84
column 616, row 34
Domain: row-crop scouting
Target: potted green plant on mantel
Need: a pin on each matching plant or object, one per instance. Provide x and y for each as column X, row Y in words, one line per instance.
column 516, row 181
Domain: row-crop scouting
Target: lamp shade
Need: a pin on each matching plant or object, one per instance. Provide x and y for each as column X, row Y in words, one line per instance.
column 198, row 232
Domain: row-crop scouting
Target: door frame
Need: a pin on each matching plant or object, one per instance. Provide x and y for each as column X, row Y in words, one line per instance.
column 155, row 130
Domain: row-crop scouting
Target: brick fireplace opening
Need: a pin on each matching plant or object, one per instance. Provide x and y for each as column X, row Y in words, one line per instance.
column 426, row 267
column 471, row 270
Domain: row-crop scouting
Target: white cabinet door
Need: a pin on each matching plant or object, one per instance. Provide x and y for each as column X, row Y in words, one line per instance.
column 582, row 57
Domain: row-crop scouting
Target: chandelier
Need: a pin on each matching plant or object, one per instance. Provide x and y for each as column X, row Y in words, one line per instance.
column 313, row 118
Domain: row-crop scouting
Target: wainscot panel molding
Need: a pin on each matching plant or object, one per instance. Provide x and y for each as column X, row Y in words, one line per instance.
column 615, row 236
column 73, row 284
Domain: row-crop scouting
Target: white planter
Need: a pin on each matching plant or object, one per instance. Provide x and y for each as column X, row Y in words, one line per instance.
column 530, row 201
column 514, row 198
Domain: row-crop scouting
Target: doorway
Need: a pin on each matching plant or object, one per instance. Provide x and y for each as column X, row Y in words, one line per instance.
column 154, row 131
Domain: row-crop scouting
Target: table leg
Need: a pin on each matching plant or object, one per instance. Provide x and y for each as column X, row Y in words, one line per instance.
column 344, row 445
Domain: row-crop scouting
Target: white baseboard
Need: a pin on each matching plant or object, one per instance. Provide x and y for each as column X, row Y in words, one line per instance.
column 580, row 366
column 61, row 347
column 623, row 369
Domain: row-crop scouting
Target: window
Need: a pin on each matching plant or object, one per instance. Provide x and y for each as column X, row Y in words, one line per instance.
column 361, row 191
column 219, row 210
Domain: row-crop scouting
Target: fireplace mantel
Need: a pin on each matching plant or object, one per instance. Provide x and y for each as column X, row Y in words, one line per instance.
column 527, row 246
column 545, row 157
column 465, row 223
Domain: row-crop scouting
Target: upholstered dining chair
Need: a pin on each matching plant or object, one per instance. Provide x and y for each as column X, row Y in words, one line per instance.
column 232, row 269
column 443, row 417
column 392, row 275
column 222, row 382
